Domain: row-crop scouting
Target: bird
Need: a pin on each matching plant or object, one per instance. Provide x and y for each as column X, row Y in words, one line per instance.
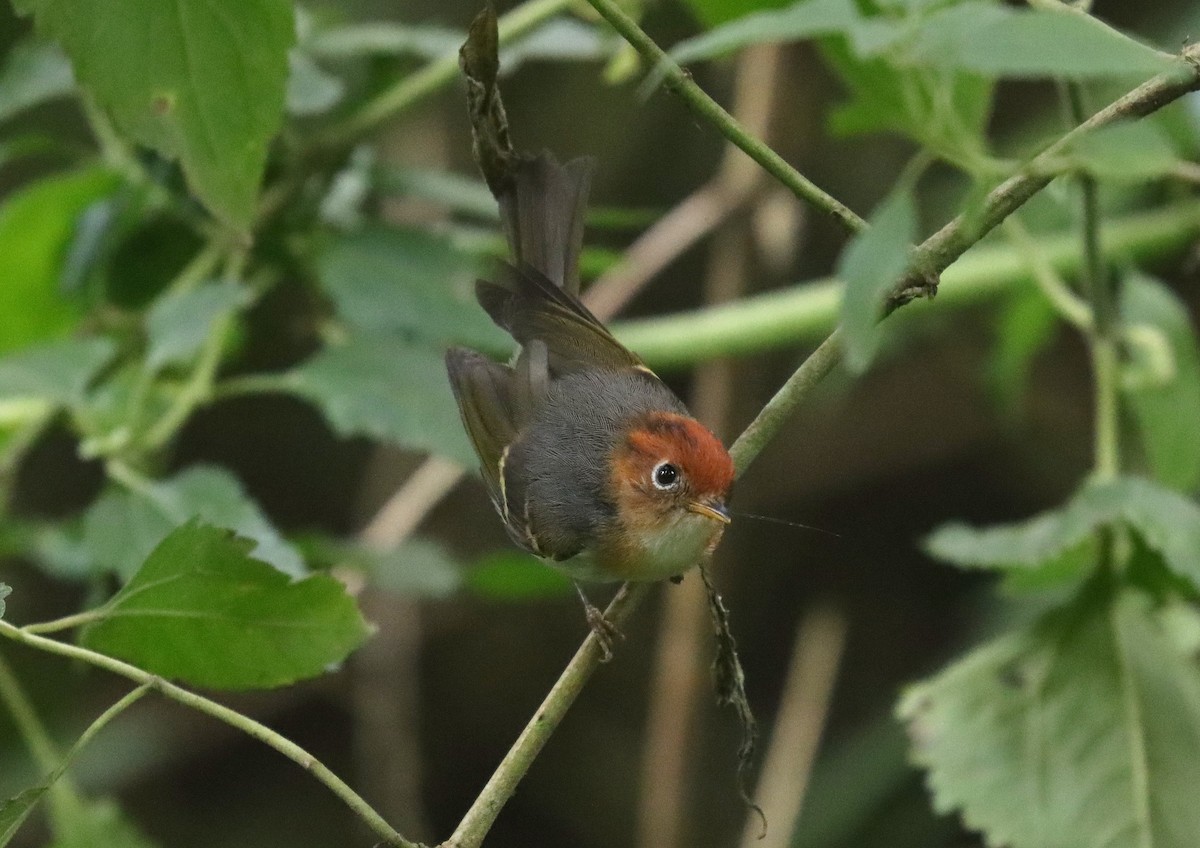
column 594, row 465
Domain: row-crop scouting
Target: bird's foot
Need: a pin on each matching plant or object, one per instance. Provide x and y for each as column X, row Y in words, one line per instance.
column 606, row 632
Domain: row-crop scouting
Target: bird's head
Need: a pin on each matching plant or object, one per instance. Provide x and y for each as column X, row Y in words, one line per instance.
column 669, row 468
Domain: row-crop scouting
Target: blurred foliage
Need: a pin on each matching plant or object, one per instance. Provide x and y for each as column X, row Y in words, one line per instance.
column 228, row 232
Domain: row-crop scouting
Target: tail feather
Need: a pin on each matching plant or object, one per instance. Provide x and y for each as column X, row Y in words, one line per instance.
column 543, row 216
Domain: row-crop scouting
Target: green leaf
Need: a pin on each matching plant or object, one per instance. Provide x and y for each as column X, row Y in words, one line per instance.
column 418, row 567
column 5, row 591
column 97, row 823
column 1001, row 41
column 1081, row 731
column 202, row 610
column 1167, row 405
column 1026, row 325
column 33, row 73
column 207, row 85
column 944, row 110
column 870, row 265
column 59, row 372
column 123, row 526
column 796, row 22
column 37, row 224
column 406, row 281
column 515, row 576
column 715, row 12
column 15, row 810
column 1167, row 522
column 179, row 323
column 559, row 40
column 386, row 388
column 1128, row 152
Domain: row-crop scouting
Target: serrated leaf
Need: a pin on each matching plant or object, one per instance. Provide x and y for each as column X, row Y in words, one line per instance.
column 58, row 372
column 123, row 526
column 514, row 576
column 1166, row 408
column 406, row 281
column 37, row 224
column 33, row 73
column 200, row 609
column 386, row 388
column 1082, row 731
column 1168, row 523
column 1001, row 41
column 5, row 591
column 207, row 86
column 796, row 22
column 178, row 324
column 870, row 265
column 97, row 823
column 16, row 809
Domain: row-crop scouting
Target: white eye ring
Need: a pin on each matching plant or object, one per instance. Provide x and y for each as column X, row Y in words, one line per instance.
column 665, row 476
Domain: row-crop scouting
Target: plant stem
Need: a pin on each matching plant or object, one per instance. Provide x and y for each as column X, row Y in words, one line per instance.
column 13, row 696
column 803, row 313
column 503, row 783
column 681, row 83
column 436, row 75
column 67, row 622
column 231, row 717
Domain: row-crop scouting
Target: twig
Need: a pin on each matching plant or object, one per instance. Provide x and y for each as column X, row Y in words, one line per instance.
column 678, row 676
column 681, row 83
column 231, row 717
column 807, row 691
column 933, row 255
column 804, row 313
column 436, row 75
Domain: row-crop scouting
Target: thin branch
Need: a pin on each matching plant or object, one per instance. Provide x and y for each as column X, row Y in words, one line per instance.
column 436, row 75
column 804, row 313
column 233, row 718
column 403, row 512
column 678, row 677
column 681, row 83
column 1053, row 287
column 799, row 725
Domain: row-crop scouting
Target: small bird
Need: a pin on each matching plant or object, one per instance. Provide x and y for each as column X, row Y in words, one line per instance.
column 593, row 463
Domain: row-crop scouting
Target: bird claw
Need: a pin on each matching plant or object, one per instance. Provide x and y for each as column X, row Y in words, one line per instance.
column 606, row 632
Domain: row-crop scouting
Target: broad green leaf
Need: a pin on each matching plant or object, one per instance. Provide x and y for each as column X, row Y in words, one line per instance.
column 200, row 609
column 1167, row 522
column 207, row 85
column 516, row 576
column 1001, row 41
column 33, row 73
column 385, row 388
column 418, row 567
column 58, row 372
column 16, row 809
column 122, row 527
column 5, row 591
column 799, row 21
column 97, row 823
column 178, row 324
column 870, row 265
column 1166, row 406
column 1081, row 731
column 1128, row 152
column 37, row 224
column 406, row 281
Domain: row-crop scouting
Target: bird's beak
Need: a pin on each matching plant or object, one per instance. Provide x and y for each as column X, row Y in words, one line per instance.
column 715, row 511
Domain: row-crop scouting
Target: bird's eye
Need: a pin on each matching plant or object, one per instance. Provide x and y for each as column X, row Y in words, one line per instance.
column 665, row 476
